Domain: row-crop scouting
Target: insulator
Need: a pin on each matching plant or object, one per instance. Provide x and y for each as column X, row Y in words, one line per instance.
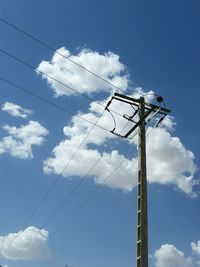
column 159, row 99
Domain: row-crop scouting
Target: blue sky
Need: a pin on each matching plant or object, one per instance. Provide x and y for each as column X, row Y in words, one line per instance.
column 141, row 46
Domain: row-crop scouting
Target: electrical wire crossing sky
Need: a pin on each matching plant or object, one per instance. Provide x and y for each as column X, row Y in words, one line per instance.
column 69, row 145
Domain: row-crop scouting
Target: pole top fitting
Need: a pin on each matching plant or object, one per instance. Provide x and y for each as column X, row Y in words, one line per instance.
column 159, row 99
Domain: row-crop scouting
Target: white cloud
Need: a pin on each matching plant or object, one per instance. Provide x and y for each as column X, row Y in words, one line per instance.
column 168, row 161
column 86, row 157
column 29, row 244
column 20, row 140
column 169, row 256
column 16, row 111
column 83, row 161
column 106, row 65
column 196, row 247
column 138, row 92
column 169, row 122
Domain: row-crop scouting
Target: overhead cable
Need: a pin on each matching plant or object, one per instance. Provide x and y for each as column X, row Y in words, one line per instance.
column 54, row 79
column 69, row 195
column 65, row 167
column 50, row 102
column 61, row 173
column 85, row 200
column 55, row 51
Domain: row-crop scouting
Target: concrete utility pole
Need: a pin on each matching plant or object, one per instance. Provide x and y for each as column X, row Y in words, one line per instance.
column 140, row 118
column 142, row 223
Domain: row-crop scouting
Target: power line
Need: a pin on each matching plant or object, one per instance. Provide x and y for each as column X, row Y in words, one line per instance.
column 69, row 195
column 95, row 190
column 85, row 200
column 63, row 109
column 56, row 181
column 54, row 79
column 74, row 189
column 90, row 195
column 59, row 177
column 50, row 103
column 78, row 185
column 55, row 51
column 86, row 136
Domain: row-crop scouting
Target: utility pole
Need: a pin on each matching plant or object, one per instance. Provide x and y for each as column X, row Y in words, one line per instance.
column 142, row 216
column 142, row 115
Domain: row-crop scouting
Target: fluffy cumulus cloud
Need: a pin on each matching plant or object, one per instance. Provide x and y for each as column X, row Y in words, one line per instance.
column 107, row 65
column 196, row 247
column 20, row 140
column 169, row 256
column 86, row 157
column 15, row 110
column 64, row 162
column 29, row 244
column 169, row 162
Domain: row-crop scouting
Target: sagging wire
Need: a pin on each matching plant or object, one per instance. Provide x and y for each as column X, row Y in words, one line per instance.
column 85, row 200
column 129, row 118
column 114, row 121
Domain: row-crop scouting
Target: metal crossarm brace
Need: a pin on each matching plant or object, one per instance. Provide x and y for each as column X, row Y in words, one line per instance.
column 142, row 120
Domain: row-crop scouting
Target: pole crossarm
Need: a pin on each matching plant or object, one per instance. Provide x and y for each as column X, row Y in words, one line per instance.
column 135, row 101
column 148, row 109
